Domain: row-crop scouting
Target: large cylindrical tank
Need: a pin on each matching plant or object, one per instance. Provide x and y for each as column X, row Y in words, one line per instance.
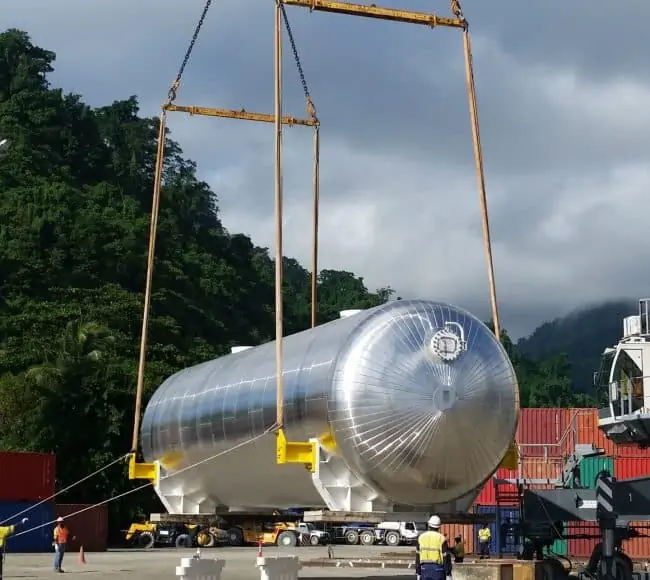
column 420, row 399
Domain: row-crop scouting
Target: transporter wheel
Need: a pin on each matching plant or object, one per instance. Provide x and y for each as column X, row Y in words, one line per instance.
column 145, row 540
column 392, row 539
column 183, row 541
column 287, row 540
column 351, row 538
column 314, row 540
column 367, row 538
column 552, row 569
column 235, row 537
column 205, row 539
column 623, row 568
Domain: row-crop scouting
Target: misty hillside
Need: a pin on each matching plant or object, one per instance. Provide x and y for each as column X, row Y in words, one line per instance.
column 582, row 336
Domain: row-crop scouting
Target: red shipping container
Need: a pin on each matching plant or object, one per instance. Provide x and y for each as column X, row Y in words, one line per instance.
column 638, row 548
column 630, row 467
column 589, row 433
column 538, row 468
column 26, row 476
column 465, row 531
column 635, row 548
column 88, row 528
column 488, row 493
column 542, row 432
column 582, row 547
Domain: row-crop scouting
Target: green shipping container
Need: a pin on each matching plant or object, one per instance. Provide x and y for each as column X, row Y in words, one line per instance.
column 560, row 547
column 590, row 467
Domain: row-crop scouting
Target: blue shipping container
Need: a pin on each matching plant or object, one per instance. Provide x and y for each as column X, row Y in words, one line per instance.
column 499, row 529
column 39, row 540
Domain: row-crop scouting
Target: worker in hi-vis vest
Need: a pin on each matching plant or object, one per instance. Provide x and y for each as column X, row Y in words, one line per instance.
column 484, row 538
column 5, row 532
column 431, row 552
column 61, row 534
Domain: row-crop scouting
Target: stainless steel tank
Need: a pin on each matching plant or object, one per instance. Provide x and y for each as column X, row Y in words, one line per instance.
column 419, row 396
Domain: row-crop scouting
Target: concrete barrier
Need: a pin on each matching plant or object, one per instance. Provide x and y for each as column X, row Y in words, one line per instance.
column 484, row 571
column 200, row 569
column 285, row 568
column 479, row 570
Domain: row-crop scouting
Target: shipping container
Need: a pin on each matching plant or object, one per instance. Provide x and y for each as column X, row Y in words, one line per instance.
column 27, row 476
column 465, row 531
column 590, row 467
column 560, row 547
column 488, row 493
column 635, row 548
column 638, row 548
column 28, row 537
column 589, row 433
column 583, row 536
column 509, row 541
column 542, row 432
column 89, row 528
column 538, row 468
column 631, row 467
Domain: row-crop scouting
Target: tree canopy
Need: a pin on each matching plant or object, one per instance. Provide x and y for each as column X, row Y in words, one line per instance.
column 76, row 197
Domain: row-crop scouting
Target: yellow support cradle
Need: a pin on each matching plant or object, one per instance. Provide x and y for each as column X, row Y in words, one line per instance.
column 148, row 471
column 304, row 452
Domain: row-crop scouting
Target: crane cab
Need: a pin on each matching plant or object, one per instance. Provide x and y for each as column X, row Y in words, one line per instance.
column 626, row 418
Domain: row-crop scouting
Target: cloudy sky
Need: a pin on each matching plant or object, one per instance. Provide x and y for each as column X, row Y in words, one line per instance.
column 563, row 93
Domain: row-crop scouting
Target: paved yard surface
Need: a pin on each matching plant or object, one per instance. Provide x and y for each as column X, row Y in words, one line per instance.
column 148, row 565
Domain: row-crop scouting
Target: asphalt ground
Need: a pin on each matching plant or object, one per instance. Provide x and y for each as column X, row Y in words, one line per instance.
column 161, row 563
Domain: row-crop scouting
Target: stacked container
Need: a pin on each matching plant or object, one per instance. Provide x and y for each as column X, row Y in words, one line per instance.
column 88, row 528
column 546, row 437
column 26, row 488
column 465, row 531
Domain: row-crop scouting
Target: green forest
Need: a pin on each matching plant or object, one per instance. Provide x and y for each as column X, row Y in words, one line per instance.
column 76, row 187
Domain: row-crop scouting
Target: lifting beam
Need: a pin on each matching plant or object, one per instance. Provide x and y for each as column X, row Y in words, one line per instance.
column 242, row 114
column 302, row 451
column 374, row 11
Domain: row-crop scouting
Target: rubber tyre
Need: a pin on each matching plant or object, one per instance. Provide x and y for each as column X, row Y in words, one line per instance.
column 287, row 540
column 351, row 538
column 205, row 540
column 367, row 538
column 145, row 540
column 624, row 567
column 314, row 540
column 553, row 569
column 392, row 539
column 235, row 537
column 183, row 541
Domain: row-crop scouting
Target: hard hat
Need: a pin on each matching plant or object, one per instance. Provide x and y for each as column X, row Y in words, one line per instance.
column 434, row 522
column 59, row 520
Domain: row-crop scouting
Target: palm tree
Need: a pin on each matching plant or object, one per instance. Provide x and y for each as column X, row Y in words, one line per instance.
column 81, row 346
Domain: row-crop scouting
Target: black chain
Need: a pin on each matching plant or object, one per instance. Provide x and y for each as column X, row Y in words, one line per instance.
column 171, row 96
column 311, row 109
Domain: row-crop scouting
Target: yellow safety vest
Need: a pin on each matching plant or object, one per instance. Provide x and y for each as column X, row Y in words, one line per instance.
column 484, row 535
column 5, row 532
column 430, row 544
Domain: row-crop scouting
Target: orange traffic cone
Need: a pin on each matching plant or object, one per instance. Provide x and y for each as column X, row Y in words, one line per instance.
column 82, row 555
column 259, row 549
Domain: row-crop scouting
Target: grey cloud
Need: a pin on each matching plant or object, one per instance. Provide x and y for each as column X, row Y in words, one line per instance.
column 563, row 118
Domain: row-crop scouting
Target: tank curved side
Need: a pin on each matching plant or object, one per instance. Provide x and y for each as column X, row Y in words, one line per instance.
column 209, row 408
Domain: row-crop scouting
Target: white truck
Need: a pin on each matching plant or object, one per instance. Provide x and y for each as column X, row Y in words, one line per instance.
column 397, row 533
column 311, row 534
